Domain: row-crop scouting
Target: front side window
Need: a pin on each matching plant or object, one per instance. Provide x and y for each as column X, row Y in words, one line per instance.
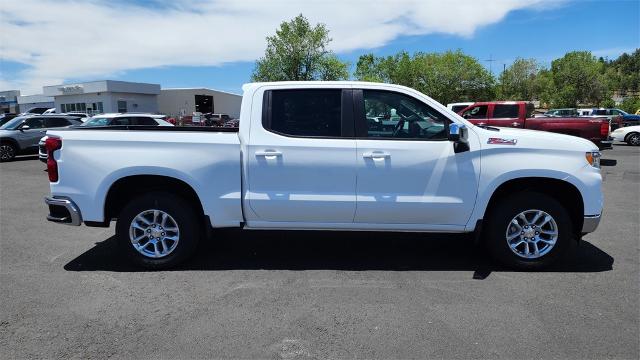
column 35, row 123
column 509, row 111
column 305, row 112
column 476, row 112
column 399, row 116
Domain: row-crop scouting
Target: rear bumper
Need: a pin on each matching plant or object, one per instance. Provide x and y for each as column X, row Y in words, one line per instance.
column 63, row 211
column 606, row 144
column 590, row 223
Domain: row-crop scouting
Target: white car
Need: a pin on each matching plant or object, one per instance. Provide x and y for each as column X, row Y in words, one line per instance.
column 306, row 157
column 628, row 134
column 126, row 119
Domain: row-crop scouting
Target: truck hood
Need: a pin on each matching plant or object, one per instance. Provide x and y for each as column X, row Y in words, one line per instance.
column 533, row 139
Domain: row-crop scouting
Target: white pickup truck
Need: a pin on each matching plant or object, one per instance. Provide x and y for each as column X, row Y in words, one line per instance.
column 328, row 156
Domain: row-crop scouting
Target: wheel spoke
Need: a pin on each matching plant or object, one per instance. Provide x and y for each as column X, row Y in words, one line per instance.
column 143, row 219
column 513, row 236
column 515, row 245
column 155, row 249
column 514, row 222
column 536, row 251
column 164, row 245
column 155, row 216
column 526, row 248
column 164, row 219
column 536, row 217
column 137, row 239
column 548, row 232
column 547, row 218
column 137, row 226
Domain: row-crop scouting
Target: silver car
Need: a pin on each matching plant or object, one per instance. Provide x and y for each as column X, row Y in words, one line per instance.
column 21, row 135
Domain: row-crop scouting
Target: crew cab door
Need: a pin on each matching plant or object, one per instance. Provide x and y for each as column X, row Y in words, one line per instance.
column 507, row 115
column 301, row 158
column 409, row 173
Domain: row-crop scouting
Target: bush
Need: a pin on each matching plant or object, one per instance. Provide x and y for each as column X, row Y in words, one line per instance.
column 630, row 104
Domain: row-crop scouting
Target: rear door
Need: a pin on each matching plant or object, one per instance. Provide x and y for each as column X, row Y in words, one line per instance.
column 301, row 159
column 506, row 115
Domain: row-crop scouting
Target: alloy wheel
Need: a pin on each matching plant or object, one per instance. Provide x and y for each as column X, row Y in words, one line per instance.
column 532, row 234
column 154, row 233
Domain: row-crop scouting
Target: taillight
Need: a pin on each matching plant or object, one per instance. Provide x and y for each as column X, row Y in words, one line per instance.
column 52, row 144
column 604, row 129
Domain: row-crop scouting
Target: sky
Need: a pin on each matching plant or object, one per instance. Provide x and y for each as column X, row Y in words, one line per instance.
column 214, row 43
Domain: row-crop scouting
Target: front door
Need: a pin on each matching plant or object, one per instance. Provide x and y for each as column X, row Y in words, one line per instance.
column 301, row 161
column 29, row 138
column 409, row 173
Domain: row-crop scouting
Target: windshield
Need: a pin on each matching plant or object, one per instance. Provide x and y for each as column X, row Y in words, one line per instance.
column 96, row 121
column 13, row 123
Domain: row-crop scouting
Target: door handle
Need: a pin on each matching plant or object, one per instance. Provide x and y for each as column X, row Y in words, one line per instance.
column 269, row 153
column 482, row 123
column 376, row 155
column 515, row 123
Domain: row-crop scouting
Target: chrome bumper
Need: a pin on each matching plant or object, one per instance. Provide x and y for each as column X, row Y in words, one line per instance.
column 63, row 211
column 590, row 223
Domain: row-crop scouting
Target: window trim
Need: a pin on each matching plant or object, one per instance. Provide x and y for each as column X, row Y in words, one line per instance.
column 362, row 129
column 346, row 114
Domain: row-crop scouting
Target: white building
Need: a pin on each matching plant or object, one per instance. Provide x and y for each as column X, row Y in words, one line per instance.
column 106, row 96
column 8, row 101
column 27, row 102
column 180, row 102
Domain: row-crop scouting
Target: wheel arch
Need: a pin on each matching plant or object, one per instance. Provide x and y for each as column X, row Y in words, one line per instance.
column 125, row 188
column 626, row 137
column 12, row 141
column 566, row 193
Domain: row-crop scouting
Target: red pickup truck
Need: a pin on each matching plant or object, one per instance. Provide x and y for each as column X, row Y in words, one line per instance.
column 518, row 114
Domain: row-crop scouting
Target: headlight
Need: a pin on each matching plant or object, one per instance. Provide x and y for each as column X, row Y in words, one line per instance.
column 593, row 158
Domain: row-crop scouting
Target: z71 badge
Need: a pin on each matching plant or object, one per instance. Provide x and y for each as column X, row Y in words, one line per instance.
column 501, row 141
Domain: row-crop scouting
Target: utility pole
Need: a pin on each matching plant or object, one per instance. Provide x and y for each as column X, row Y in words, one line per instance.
column 490, row 60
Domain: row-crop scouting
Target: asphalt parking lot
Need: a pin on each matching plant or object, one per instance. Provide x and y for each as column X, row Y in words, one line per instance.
column 65, row 293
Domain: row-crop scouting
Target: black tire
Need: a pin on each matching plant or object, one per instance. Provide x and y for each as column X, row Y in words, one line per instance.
column 633, row 139
column 186, row 219
column 501, row 215
column 8, row 151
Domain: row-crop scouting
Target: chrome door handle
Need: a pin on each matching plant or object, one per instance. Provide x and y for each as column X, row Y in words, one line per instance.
column 515, row 124
column 482, row 123
column 376, row 155
column 268, row 153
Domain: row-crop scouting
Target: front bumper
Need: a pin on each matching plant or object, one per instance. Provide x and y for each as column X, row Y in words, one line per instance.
column 63, row 211
column 590, row 223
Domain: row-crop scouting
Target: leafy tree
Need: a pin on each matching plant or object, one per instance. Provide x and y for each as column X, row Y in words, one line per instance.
column 299, row 51
column 630, row 104
column 578, row 78
column 518, row 81
column 447, row 77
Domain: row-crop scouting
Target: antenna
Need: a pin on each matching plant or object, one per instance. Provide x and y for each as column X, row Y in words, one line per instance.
column 490, row 60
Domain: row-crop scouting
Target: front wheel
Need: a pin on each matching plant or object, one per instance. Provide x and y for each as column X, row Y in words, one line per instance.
column 528, row 231
column 633, row 139
column 158, row 230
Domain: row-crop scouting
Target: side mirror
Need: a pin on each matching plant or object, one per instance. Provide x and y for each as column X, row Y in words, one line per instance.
column 24, row 127
column 458, row 135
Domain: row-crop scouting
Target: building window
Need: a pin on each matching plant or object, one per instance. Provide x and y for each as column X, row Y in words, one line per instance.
column 122, row 106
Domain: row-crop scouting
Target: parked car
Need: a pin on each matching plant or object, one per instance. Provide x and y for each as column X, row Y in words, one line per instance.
column 5, row 117
column 517, row 114
column 125, row 119
column 305, row 158
column 216, row 119
column 234, row 123
column 455, row 107
column 21, row 134
column 562, row 113
column 628, row 134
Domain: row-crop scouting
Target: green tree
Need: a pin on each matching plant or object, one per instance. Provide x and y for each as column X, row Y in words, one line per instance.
column 578, row 78
column 451, row 76
column 631, row 105
column 518, row 81
column 299, row 51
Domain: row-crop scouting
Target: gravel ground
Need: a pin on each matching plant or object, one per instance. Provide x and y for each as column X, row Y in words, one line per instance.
column 65, row 293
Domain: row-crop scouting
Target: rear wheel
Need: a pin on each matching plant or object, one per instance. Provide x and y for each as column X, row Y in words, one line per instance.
column 158, row 230
column 528, row 231
column 7, row 151
column 633, row 139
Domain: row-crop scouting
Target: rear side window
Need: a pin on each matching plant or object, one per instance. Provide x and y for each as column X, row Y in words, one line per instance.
column 143, row 121
column 505, row 111
column 35, row 123
column 56, row 122
column 313, row 113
